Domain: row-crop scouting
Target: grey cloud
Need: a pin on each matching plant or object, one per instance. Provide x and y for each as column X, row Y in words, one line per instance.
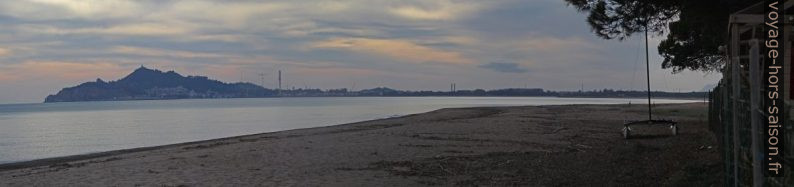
column 504, row 67
column 509, row 33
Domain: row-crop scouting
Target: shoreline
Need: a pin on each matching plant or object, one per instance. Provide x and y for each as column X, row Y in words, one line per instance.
column 85, row 156
column 445, row 146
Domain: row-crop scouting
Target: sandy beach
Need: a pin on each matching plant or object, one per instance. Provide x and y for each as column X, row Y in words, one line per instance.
column 569, row 145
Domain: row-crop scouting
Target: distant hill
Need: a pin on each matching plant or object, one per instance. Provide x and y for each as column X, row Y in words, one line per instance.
column 144, row 83
column 150, row 84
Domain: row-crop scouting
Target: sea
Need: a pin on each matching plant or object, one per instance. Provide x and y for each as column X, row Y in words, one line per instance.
column 46, row 130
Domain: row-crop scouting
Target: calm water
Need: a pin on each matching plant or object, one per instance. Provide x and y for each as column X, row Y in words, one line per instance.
column 35, row 131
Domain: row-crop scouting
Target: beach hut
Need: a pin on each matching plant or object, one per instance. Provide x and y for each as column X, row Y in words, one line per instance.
column 737, row 113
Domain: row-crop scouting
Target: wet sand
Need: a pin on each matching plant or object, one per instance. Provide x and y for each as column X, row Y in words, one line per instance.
column 570, row 145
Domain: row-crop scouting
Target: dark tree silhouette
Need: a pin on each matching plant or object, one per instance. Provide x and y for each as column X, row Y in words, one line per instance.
column 696, row 28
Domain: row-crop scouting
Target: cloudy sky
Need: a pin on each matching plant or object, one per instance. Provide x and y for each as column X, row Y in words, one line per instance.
column 46, row 45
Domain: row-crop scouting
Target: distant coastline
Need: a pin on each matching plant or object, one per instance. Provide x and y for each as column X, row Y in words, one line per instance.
column 151, row 84
column 694, row 99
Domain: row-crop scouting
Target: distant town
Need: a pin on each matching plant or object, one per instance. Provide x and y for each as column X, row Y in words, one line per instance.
column 151, row 84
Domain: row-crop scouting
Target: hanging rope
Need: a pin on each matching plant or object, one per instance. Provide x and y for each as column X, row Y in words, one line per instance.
column 636, row 61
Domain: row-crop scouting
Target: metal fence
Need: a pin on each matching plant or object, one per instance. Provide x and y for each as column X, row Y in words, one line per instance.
column 735, row 114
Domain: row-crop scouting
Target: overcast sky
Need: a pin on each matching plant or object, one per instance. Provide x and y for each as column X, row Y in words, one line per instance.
column 46, row 45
